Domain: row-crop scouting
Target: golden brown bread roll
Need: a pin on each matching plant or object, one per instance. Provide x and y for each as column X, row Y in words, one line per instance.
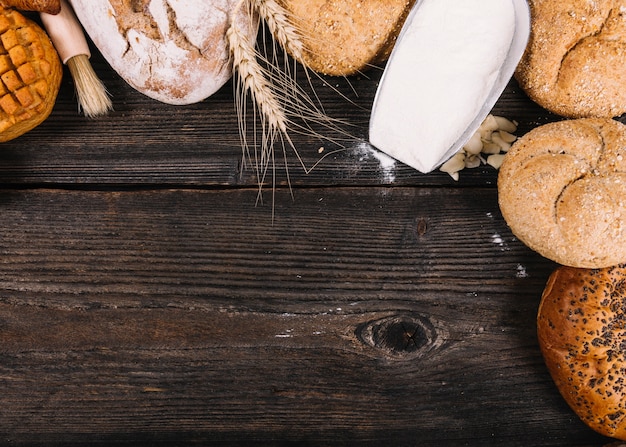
column 575, row 61
column 47, row 6
column 562, row 191
column 581, row 326
column 30, row 74
column 344, row 37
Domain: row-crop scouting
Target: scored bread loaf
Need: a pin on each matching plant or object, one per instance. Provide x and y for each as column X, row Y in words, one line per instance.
column 575, row 61
column 30, row 74
column 341, row 38
column 581, row 325
column 172, row 51
column 562, row 191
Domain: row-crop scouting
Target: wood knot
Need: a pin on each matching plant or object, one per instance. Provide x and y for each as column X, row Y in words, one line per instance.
column 400, row 336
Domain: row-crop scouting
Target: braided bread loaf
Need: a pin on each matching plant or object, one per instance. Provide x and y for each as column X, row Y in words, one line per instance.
column 562, row 191
column 575, row 61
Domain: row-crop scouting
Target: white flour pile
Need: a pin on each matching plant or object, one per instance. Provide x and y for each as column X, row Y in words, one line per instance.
column 441, row 75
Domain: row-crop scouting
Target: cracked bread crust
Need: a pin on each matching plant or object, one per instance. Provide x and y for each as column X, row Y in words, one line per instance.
column 562, row 191
column 575, row 61
column 174, row 51
column 581, row 325
column 342, row 38
column 30, row 75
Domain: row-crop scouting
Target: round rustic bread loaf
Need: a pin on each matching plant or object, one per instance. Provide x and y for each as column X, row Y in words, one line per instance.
column 581, row 327
column 562, row 191
column 575, row 61
column 30, row 74
column 345, row 37
column 173, row 51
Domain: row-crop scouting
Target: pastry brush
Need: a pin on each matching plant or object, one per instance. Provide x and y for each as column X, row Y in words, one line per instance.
column 66, row 33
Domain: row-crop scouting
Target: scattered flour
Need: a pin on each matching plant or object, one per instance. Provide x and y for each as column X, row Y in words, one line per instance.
column 387, row 163
column 521, row 271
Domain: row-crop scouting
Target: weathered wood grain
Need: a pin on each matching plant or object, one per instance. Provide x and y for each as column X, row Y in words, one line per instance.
column 359, row 315
column 145, row 299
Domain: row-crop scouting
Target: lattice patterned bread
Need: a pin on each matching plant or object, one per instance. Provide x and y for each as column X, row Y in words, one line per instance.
column 30, row 74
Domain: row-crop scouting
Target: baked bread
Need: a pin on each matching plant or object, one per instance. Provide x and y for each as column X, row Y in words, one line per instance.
column 581, row 327
column 30, row 74
column 575, row 61
column 562, row 191
column 47, row 6
column 345, row 37
column 174, row 52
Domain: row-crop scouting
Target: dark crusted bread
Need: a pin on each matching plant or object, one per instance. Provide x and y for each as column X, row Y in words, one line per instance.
column 581, row 327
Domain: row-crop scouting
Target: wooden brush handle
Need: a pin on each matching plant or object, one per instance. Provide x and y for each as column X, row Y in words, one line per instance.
column 47, row 6
column 66, row 33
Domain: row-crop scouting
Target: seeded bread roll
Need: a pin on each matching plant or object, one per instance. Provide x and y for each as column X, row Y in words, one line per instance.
column 344, row 37
column 172, row 51
column 562, row 191
column 575, row 61
column 581, row 330
column 30, row 74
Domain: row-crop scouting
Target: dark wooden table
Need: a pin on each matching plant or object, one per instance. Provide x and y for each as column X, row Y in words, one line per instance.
column 148, row 298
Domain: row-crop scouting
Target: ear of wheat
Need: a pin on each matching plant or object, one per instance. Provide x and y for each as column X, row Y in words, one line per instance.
column 280, row 104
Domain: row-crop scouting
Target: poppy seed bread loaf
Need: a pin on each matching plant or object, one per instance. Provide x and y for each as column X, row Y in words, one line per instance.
column 581, row 327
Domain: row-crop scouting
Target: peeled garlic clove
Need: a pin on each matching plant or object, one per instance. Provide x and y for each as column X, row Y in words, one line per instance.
column 507, row 136
column 505, row 124
column 491, row 147
column 454, row 165
column 496, row 160
column 474, row 144
column 502, row 145
column 490, row 124
column 473, row 161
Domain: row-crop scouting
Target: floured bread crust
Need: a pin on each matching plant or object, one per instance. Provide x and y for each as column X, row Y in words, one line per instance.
column 562, row 191
column 575, row 61
column 345, row 37
column 174, row 51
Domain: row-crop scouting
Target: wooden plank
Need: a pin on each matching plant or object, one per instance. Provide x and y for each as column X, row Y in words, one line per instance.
column 144, row 142
column 356, row 315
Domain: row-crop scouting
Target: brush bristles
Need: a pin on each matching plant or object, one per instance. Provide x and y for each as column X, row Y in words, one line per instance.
column 93, row 98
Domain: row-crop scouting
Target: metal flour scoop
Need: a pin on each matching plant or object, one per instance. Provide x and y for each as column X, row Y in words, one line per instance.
column 449, row 66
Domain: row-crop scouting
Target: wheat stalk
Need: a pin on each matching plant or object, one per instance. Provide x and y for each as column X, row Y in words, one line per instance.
column 281, row 105
column 253, row 79
column 280, row 27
